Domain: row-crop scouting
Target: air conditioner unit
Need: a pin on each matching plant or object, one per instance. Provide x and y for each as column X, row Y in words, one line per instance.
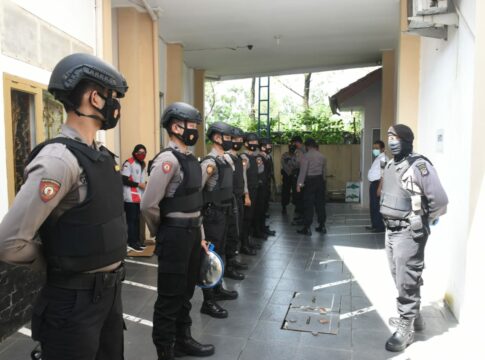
column 431, row 18
column 428, row 7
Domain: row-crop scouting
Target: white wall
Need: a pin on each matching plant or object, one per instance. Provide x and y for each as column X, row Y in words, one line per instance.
column 369, row 101
column 188, row 95
column 446, row 102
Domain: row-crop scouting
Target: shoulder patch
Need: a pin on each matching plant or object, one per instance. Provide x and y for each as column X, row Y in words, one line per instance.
column 210, row 169
column 117, row 168
column 167, row 167
column 259, row 160
column 48, row 189
column 423, row 169
column 245, row 162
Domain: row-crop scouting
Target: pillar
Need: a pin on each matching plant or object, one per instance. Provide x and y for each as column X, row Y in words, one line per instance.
column 199, row 78
column 388, row 100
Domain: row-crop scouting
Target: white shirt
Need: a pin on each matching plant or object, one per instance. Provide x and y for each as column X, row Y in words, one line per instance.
column 375, row 171
column 133, row 170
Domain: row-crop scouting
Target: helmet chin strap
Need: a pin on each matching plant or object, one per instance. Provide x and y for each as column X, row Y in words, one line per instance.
column 96, row 117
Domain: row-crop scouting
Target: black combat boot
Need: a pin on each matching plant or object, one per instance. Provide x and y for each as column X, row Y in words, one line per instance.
column 185, row 344
column 419, row 323
column 321, row 229
column 223, row 294
column 304, row 231
column 255, row 244
column 213, row 309
column 165, row 352
column 283, row 210
column 237, row 264
column 248, row 251
column 232, row 273
column 403, row 337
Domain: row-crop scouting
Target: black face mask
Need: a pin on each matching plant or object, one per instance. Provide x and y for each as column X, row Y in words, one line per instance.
column 252, row 147
column 189, row 137
column 237, row 145
column 292, row 148
column 111, row 107
column 226, row 145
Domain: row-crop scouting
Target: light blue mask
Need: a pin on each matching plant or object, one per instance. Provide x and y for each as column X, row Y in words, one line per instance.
column 376, row 152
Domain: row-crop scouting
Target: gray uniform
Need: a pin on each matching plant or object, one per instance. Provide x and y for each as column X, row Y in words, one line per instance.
column 412, row 197
column 289, row 163
column 312, row 163
column 165, row 177
column 19, row 242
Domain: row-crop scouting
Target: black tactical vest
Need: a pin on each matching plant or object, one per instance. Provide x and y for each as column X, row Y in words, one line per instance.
column 263, row 176
column 92, row 234
column 221, row 194
column 395, row 199
column 238, row 184
column 252, row 172
column 188, row 196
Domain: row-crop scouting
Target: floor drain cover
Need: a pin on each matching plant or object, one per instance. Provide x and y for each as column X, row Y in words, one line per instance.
column 314, row 313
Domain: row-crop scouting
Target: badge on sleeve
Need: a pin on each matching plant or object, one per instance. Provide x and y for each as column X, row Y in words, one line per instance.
column 259, row 160
column 423, row 169
column 48, row 189
column 210, row 169
column 167, row 167
column 245, row 162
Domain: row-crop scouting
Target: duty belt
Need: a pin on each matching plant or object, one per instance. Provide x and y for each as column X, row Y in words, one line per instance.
column 85, row 281
column 395, row 224
column 193, row 222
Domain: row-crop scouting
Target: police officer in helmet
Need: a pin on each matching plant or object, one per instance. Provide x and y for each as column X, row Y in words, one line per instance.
column 172, row 206
column 73, row 194
column 412, row 199
column 217, row 182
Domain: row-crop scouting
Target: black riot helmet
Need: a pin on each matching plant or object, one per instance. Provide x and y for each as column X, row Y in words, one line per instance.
column 251, row 137
column 76, row 68
column 222, row 128
column 237, row 133
column 183, row 112
column 180, row 111
column 265, row 145
column 76, row 73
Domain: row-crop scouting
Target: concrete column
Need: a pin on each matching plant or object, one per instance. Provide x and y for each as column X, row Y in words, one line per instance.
column 138, row 61
column 199, row 77
column 388, row 100
column 408, row 76
column 175, row 73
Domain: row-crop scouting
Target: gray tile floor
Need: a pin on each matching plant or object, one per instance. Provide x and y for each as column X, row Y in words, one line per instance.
column 347, row 262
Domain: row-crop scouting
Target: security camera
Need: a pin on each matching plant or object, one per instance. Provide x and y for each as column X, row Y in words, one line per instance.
column 250, row 47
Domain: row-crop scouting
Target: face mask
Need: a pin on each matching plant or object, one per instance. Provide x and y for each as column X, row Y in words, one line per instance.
column 110, row 111
column 252, row 147
column 189, row 137
column 376, row 152
column 395, row 146
column 292, row 148
column 262, row 148
column 140, row 157
column 226, row 145
column 237, row 145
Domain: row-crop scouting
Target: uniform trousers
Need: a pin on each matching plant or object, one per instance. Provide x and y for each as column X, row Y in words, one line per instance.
column 285, row 189
column 248, row 216
column 179, row 251
column 234, row 227
column 314, row 199
column 259, row 217
column 77, row 325
column 406, row 261
column 374, row 204
column 132, row 211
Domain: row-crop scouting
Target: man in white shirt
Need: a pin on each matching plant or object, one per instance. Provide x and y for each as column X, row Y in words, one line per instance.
column 374, row 176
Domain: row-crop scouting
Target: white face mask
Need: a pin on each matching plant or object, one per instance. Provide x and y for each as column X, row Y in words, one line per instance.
column 376, row 152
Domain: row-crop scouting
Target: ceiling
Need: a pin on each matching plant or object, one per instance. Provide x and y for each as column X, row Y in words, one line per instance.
column 314, row 34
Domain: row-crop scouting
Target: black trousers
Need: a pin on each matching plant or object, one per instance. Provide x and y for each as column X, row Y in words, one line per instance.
column 70, row 324
column 262, row 199
column 248, row 217
column 406, row 261
column 178, row 251
column 132, row 211
column 234, row 227
column 286, row 188
column 374, row 205
column 298, row 199
column 314, row 200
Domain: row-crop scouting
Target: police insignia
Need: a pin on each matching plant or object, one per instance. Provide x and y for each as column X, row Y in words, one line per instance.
column 48, row 189
column 423, row 169
column 259, row 160
column 210, row 169
column 117, row 168
column 166, row 167
column 245, row 162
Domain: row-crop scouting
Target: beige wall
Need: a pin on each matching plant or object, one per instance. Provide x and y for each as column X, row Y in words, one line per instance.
column 199, row 77
column 388, row 103
column 408, row 76
column 175, row 73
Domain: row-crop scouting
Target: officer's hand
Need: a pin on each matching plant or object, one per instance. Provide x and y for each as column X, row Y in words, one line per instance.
column 247, row 201
column 298, row 188
column 142, row 186
column 205, row 245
